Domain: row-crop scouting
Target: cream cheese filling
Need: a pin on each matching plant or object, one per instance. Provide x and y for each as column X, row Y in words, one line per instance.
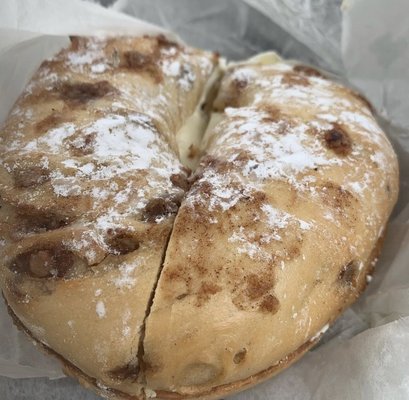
column 190, row 135
column 265, row 58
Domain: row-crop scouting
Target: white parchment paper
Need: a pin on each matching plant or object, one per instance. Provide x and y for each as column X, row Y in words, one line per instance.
column 365, row 355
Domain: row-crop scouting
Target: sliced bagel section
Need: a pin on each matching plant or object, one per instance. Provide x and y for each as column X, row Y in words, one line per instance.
column 277, row 233
column 90, row 183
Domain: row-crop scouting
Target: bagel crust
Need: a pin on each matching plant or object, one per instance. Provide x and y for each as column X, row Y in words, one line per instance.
column 148, row 280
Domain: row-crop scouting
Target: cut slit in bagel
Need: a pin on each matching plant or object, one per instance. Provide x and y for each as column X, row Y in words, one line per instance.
column 194, row 286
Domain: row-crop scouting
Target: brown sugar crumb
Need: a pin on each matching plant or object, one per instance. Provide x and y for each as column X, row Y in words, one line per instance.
column 335, row 196
column 203, row 187
column 243, row 156
column 206, row 290
column 181, row 181
column 83, row 145
column 237, row 87
column 177, row 273
column 30, row 176
column 148, row 62
column 258, row 198
column 34, row 220
column 137, row 61
column 122, row 242
column 82, row 92
column 273, row 113
column 258, row 286
column 49, row 122
column 292, row 79
column 308, row 71
column 294, row 250
column 270, row 304
column 217, row 164
column 161, row 207
column 55, row 262
column 348, row 274
column 338, row 140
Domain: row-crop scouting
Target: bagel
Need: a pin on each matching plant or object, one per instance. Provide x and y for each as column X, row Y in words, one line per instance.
column 176, row 228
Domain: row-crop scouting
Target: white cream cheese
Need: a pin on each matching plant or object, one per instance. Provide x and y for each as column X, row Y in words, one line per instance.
column 190, row 136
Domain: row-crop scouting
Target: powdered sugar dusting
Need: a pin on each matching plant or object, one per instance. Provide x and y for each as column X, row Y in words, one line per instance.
column 100, row 309
column 280, row 219
column 126, row 278
column 52, row 139
column 89, row 55
column 111, row 160
column 120, row 146
column 98, row 68
column 278, row 135
column 272, row 155
column 65, row 186
column 171, row 67
column 181, row 69
column 245, row 244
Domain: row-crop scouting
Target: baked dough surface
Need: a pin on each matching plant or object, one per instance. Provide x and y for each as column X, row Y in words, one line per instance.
column 145, row 280
column 90, row 181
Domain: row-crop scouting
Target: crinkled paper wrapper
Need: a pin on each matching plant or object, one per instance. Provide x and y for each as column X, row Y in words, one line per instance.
column 365, row 355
